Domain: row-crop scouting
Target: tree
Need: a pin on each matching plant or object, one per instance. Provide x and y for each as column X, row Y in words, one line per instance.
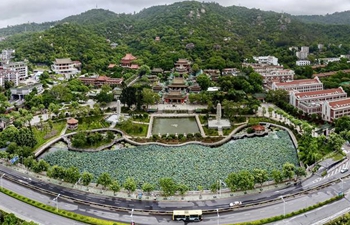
column 149, row 97
column 260, row 176
column 288, row 170
column 299, row 172
column 147, row 187
column 72, row 175
column 232, row 181
column 130, row 184
column 214, row 187
column 182, row 188
column 195, row 68
column 115, row 187
column 104, row 179
column 144, row 70
column 128, row 96
column 86, row 178
column 168, row 186
column 277, row 176
column 245, row 180
column 204, row 81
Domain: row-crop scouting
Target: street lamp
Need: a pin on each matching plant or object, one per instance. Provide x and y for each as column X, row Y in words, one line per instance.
column 56, row 200
column 218, row 220
column 132, row 219
column 1, row 179
column 342, row 184
column 284, row 205
column 78, row 182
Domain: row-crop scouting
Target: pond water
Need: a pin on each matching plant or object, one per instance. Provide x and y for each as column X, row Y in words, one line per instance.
column 178, row 125
column 192, row 165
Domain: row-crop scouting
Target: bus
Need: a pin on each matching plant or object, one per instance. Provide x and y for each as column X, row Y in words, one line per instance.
column 187, row 215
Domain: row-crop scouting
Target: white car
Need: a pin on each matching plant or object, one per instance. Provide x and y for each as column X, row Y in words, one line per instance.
column 236, row 203
column 344, row 170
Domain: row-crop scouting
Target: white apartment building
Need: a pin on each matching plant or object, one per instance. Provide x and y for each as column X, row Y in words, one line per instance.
column 8, row 75
column 303, row 85
column 7, row 54
column 328, row 60
column 303, row 53
column 303, row 62
column 278, row 76
column 20, row 92
column 270, row 60
column 20, row 67
column 332, row 110
column 66, row 67
column 311, row 102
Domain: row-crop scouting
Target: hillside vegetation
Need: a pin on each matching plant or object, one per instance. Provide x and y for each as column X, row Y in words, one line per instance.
column 210, row 35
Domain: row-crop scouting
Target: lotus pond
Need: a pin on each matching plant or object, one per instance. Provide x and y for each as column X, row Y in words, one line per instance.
column 192, row 165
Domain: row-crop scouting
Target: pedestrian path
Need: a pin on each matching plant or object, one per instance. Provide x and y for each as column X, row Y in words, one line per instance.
column 333, row 171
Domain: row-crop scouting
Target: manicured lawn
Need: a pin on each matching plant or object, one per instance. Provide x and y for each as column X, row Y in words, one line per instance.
column 210, row 132
column 45, row 135
column 90, row 123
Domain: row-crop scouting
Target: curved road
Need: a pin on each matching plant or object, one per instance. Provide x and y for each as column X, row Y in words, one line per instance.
column 238, row 215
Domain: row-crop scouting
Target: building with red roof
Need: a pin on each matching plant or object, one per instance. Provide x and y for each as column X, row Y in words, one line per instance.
column 311, row 102
column 335, row 109
column 101, row 80
column 127, row 60
column 303, row 85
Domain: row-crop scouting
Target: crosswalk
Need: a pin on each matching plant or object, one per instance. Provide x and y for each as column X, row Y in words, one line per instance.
column 333, row 171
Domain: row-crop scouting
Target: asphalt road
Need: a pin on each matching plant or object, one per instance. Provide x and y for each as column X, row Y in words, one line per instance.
column 224, row 218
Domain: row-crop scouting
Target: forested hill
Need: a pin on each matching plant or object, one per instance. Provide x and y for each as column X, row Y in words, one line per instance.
column 337, row 18
column 207, row 33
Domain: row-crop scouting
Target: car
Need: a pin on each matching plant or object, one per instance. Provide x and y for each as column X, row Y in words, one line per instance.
column 236, row 203
column 344, row 170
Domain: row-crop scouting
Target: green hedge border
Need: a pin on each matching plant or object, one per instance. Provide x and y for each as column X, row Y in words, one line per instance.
column 60, row 212
column 289, row 215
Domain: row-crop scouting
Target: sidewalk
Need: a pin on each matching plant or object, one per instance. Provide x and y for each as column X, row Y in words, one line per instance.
column 155, row 195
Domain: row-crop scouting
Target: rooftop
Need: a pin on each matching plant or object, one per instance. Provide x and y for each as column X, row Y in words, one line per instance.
column 326, row 92
column 129, row 57
column 63, row 61
column 299, row 82
column 340, row 103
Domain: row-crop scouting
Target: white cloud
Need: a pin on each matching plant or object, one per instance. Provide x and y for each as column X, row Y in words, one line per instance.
column 22, row 11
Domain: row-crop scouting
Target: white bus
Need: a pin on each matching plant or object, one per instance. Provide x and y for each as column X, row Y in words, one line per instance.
column 187, row 215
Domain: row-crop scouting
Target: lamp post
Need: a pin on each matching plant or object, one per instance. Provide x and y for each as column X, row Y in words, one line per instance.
column 342, row 184
column 218, row 220
column 1, row 180
column 284, row 206
column 56, row 200
column 132, row 219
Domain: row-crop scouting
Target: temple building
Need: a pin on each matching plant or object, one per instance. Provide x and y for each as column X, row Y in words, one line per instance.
column 98, row 81
column 175, row 97
column 127, row 61
column 182, row 66
column 72, row 124
column 178, row 84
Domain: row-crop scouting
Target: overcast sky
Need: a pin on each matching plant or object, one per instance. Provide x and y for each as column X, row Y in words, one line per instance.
column 21, row 11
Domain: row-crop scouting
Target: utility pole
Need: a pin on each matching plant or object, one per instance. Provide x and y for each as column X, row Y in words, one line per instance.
column 284, row 206
column 56, row 200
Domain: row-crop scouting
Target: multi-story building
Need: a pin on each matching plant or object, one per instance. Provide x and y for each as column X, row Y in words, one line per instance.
column 20, row 67
column 213, row 73
column 303, row 53
column 303, row 85
column 20, row 92
column 66, row 67
column 311, row 102
column 270, row 60
column 182, row 66
column 8, row 75
column 332, row 110
column 278, row 76
column 303, row 62
column 98, row 81
column 7, row 54
column 325, row 61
